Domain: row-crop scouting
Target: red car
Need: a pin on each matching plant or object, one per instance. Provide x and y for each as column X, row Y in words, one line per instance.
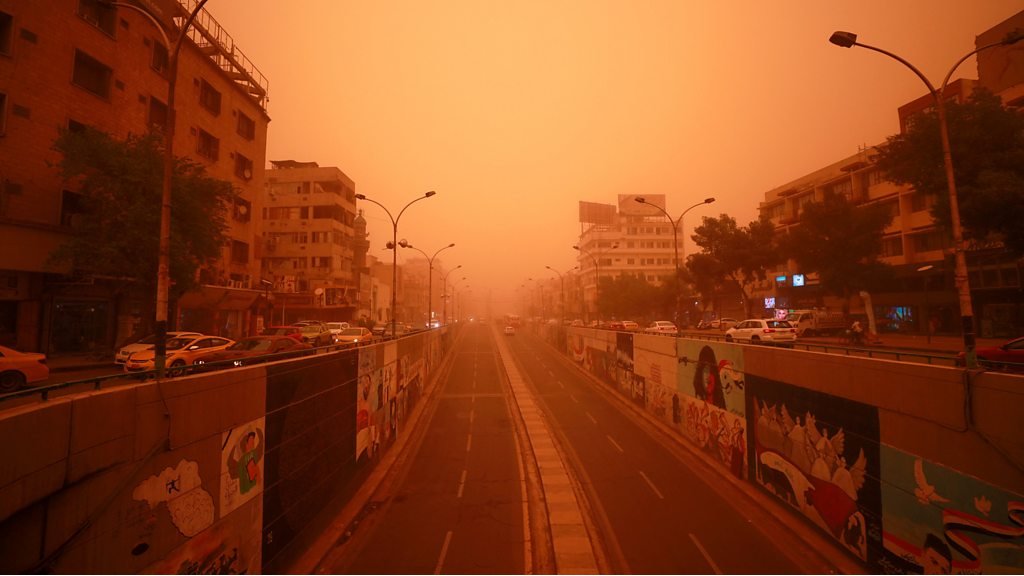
column 253, row 350
column 1009, row 356
column 289, row 331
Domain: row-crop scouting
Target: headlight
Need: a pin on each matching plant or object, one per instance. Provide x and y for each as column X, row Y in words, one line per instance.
column 200, row 362
column 237, row 362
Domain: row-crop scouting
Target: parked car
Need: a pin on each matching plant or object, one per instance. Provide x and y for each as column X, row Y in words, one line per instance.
column 630, row 326
column 1008, row 356
column 252, row 350
column 379, row 328
column 614, row 325
column 722, row 323
column 662, row 327
column 335, row 328
column 762, row 331
column 356, row 336
column 510, row 330
column 290, row 331
column 18, row 369
column 315, row 333
column 147, row 343
column 181, row 352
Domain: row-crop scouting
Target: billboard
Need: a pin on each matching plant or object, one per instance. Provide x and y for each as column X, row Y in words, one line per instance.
column 594, row 213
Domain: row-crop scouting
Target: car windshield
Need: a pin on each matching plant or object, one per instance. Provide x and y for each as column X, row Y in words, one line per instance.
column 336, row 325
column 778, row 324
column 280, row 331
column 178, row 343
column 351, row 332
column 253, row 345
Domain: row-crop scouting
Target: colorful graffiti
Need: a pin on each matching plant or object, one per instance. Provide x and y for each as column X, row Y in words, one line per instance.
column 232, row 546
column 718, row 432
column 713, row 373
column 241, row 469
column 819, row 454
column 939, row 521
column 181, row 490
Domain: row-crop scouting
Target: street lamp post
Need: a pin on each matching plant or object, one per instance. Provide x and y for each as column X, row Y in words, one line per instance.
column 561, row 281
column 163, row 278
column 394, row 253
column 676, row 225
column 849, row 40
column 444, row 294
column 430, row 276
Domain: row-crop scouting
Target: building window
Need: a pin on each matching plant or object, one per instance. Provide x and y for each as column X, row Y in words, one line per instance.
column 239, row 252
column 6, row 32
column 3, row 113
column 875, row 177
column 157, row 114
column 893, row 208
column 71, row 206
column 919, row 201
column 321, row 261
column 298, row 263
column 92, row 75
column 160, row 59
column 208, row 146
column 243, row 167
column 775, row 211
column 246, row 127
column 102, row 17
column 842, row 188
column 209, row 98
column 927, row 241
column 892, row 247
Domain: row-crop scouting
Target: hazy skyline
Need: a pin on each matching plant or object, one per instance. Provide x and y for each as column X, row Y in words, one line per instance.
column 514, row 112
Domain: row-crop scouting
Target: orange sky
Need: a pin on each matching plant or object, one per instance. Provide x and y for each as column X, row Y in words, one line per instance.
column 514, row 111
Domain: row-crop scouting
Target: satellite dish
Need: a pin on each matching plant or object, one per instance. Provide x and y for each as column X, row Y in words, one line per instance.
column 318, row 291
column 247, row 173
column 243, row 209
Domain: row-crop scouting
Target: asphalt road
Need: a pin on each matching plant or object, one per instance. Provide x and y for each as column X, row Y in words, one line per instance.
column 658, row 514
column 457, row 506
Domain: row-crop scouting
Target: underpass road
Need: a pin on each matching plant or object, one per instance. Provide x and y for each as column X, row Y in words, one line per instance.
column 662, row 516
column 458, row 506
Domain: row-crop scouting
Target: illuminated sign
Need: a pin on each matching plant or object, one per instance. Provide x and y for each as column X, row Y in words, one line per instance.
column 798, row 279
column 780, row 278
column 769, row 302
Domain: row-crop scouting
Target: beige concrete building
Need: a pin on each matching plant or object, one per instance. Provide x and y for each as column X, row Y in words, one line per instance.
column 69, row 63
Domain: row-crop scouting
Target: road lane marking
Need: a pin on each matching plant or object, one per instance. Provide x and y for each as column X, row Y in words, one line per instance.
column 444, row 552
column 462, row 483
column 561, row 385
column 705, row 553
column 653, row 487
column 619, row 448
column 591, row 416
column 469, row 442
column 471, row 413
column 574, row 399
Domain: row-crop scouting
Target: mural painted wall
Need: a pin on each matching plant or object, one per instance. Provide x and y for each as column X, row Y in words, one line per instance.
column 938, row 521
column 819, row 454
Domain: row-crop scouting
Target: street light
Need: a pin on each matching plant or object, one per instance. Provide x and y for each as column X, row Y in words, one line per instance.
column 444, row 293
column 676, row 225
column 394, row 253
column 849, row 40
column 561, row 281
column 597, row 277
column 430, row 276
column 163, row 275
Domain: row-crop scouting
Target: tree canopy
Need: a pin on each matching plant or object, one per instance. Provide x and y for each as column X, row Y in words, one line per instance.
column 120, row 185
column 841, row 242
column 741, row 255
column 987, row 144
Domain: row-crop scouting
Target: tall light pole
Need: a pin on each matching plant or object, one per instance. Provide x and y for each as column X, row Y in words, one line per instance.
column 561, row 281
column 676, row 225
column 849, row 40
column 394, row 254
column 430, row 275
column 163, row 275
column 444, row 293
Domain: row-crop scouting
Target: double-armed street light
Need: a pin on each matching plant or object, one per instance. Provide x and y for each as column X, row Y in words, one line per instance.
column 430, row 276
column 394, row 252
column 676, row 225
column 849, row 40
column 163, row 274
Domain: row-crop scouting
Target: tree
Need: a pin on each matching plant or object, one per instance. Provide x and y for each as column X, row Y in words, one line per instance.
column 987, row 144
column 702, row 271
column 117, row 234
column 628, row 297
column 737, row 255
column 841, row 242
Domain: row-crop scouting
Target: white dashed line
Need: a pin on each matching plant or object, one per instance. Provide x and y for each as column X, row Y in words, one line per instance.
column 649, row 483
column 462, row 483
column 619, row 448
column 574, row 399
column 444, row 552
column 469, row 442
column 561, row 385
column 591, row 416
column 705, row 553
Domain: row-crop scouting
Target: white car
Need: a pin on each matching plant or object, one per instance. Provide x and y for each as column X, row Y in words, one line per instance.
column 762, row 331
column 336, row 327
column 723, row 324
column 510, row 330
column 146, row 343
column 662, row 327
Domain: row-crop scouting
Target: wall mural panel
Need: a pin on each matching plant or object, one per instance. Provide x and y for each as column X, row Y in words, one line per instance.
column 939, row 521
column 819, row 454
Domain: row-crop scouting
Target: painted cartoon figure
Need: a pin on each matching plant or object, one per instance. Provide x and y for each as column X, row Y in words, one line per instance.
column 707, row 384
column 245, row 468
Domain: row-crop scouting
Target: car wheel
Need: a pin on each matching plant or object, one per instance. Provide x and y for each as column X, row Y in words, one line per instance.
column 11, row 381
column 755, row 340
column 177, row 368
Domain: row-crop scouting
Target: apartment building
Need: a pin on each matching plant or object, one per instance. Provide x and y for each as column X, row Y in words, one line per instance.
column 630, row 238
column 70, row 63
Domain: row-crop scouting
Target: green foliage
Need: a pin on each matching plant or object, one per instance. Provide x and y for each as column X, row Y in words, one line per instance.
column 629, row 297
column 841, row 242
column 987, row 144
column 118, row 232
column 734, row 254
